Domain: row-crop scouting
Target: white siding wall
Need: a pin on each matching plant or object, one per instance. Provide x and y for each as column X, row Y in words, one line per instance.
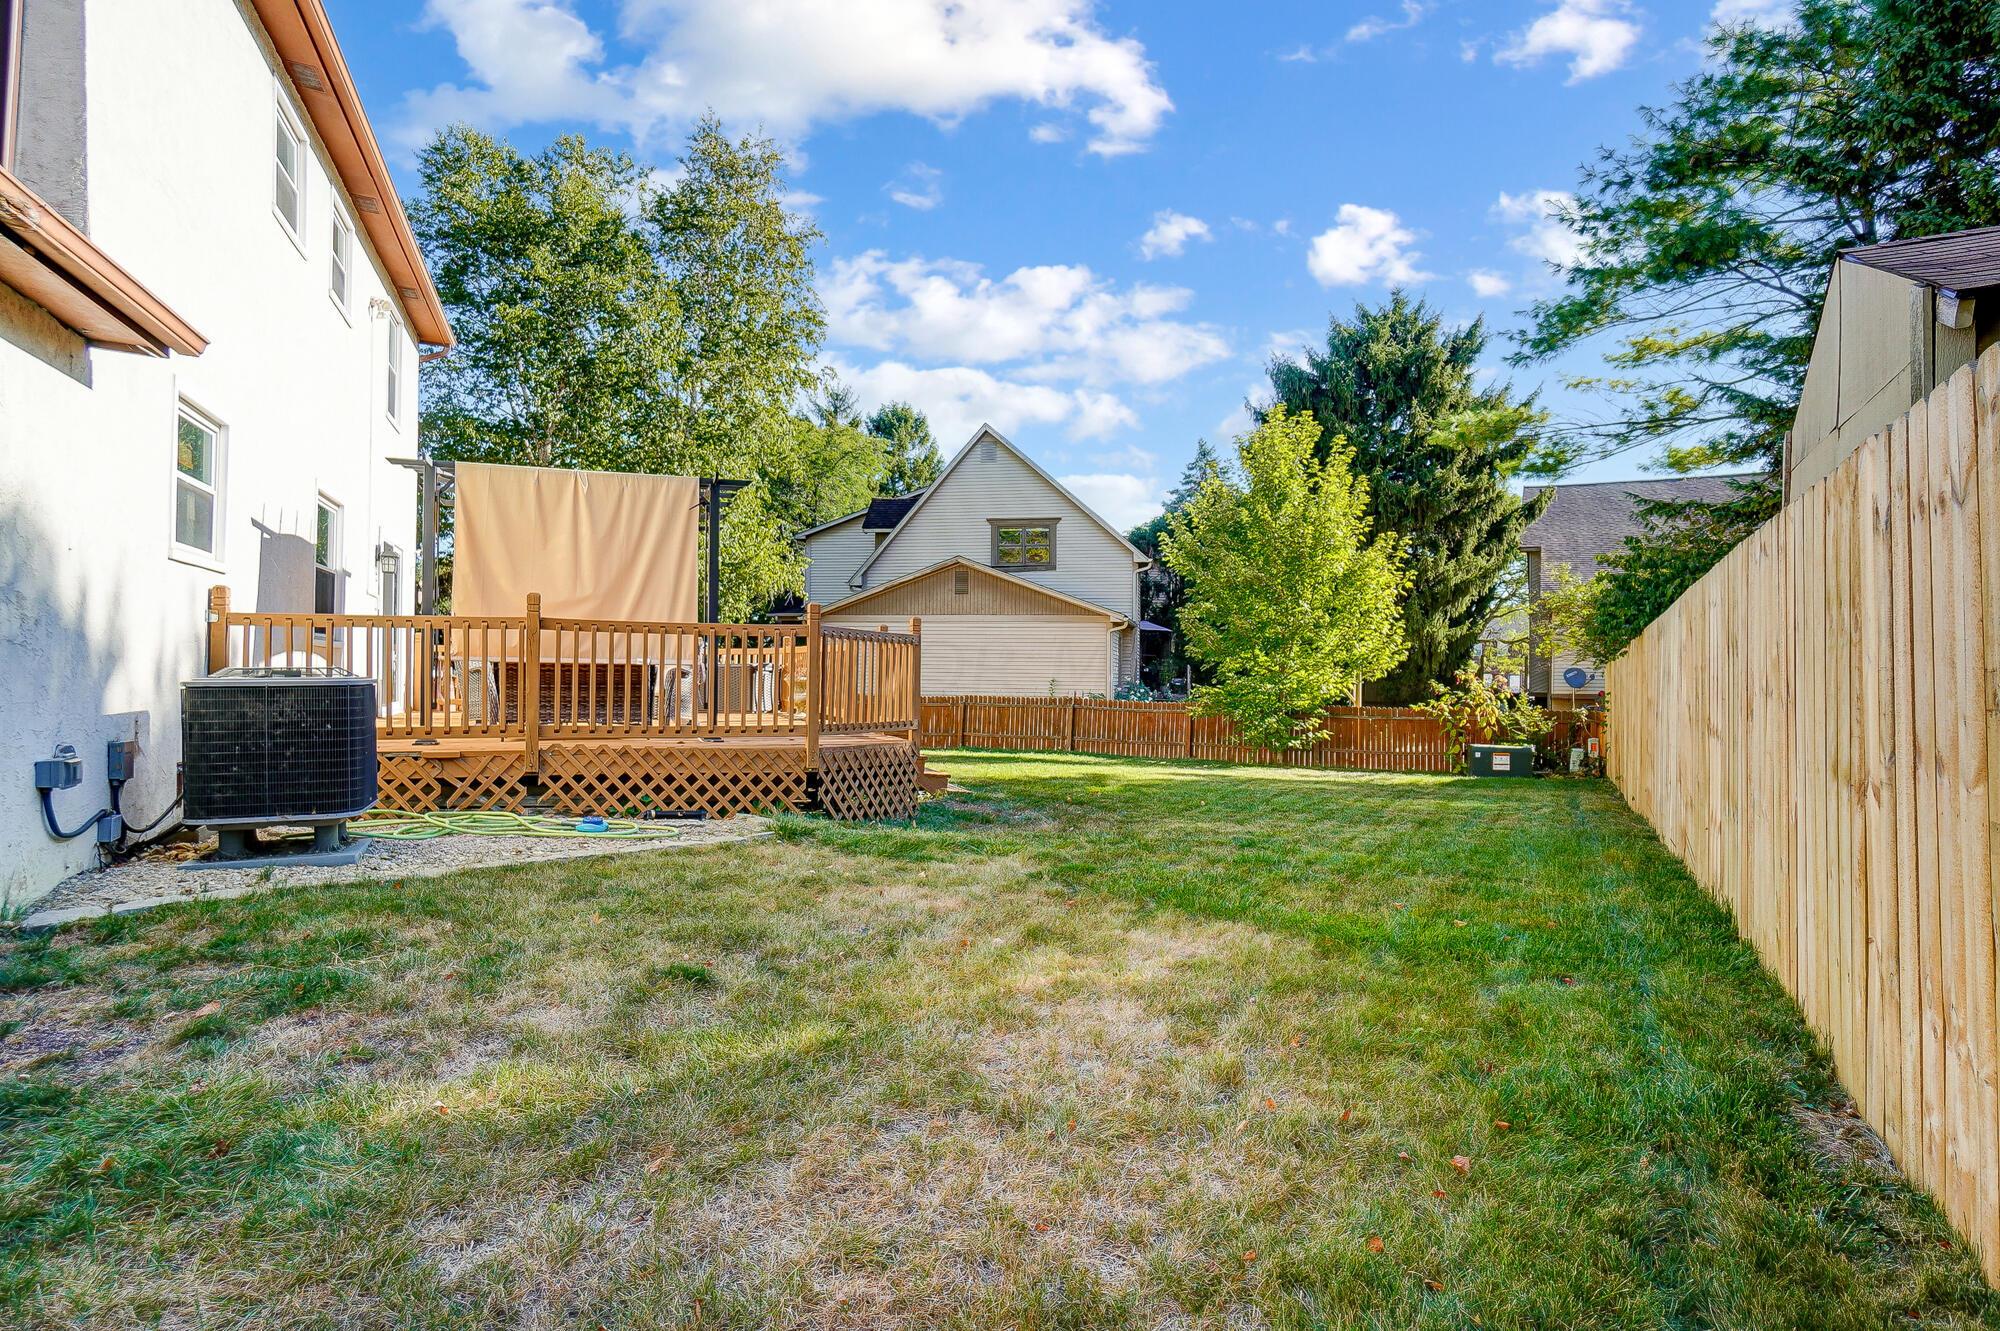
column 1090, row 563
column 1021, row 654
column 835, row 554
column 97, row 624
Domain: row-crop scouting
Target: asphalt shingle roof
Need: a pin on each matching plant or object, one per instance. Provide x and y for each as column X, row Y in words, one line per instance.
column 1585, row 522
column 884, row 514
column 1956, row 261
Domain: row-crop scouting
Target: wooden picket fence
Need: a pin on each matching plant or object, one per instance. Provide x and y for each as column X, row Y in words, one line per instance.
column 1376, row 739
column 1809, row 727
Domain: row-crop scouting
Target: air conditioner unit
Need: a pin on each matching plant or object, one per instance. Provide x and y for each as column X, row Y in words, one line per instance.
column 277, row 745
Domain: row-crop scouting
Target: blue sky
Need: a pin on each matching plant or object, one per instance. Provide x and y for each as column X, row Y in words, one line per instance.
column 1090, row 224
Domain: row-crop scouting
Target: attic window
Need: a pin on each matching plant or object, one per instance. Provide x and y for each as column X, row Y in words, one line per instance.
column 961, row 581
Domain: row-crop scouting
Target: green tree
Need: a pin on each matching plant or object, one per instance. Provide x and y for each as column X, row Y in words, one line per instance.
column 1292, row 594
column 607, row 324
column 1162, row 591
column 1397, row 387
column 913, row 461
column 1704, row 245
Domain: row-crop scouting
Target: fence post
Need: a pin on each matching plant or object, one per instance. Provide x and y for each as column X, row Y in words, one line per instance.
column 1069, row 743
column 814, row 665
column 1187, row 715
column 960, row 739
column 529, row 694
column 218, row 628
column 916, row 683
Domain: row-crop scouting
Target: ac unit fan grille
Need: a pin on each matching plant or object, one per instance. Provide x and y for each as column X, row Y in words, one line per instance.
column 264, row 750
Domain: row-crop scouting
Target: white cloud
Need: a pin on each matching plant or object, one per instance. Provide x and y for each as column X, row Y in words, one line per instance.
column 1487, row 283
column 1364, row 245
column 1300, row 55
column 789, row 65
column 802, row 201
column 1120, row 498
column 1755, row 13
column 1596, row 35
column 1368, row 29
column 918, row 187
column 1287, row 344
column 1543, row 235
column 958, row 398
column 1170, row 233
column 1048, row 132
column 1053, row 322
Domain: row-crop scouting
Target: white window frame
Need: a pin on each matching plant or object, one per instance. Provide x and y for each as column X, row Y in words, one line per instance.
column 336, row 541
column 214, row 486
column 283, row 121
column 340, row 244
column 392, row 375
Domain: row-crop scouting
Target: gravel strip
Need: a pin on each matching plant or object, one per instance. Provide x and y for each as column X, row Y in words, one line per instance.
column 161, row 876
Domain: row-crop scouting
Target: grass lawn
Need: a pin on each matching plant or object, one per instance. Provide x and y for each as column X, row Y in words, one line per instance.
column 1101, row 1044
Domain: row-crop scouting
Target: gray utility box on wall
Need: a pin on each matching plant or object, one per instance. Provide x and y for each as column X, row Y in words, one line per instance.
column 1502, row 760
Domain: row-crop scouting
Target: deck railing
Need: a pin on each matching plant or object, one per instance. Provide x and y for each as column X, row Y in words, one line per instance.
column 534, row 677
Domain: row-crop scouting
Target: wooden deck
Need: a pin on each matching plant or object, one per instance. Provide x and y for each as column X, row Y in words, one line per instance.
column 616, row 718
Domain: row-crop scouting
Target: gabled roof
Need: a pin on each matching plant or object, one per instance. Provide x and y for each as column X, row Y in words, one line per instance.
column 831, row 524
column 988, row 432
column 1586, row 521
column 987, row 570
column 303, row 36
column 884, row 514
column 1954, row 262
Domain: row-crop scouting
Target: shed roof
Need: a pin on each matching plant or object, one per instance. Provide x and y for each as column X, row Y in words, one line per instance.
column 1585, row 522
column 884, row 514
column 1957, row 261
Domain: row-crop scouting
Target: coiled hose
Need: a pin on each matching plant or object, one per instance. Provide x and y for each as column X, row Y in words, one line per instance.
column 390, row 826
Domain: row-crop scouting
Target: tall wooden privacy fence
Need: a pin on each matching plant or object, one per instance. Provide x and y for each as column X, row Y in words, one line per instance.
column 1378, row 739
column 1810, row 727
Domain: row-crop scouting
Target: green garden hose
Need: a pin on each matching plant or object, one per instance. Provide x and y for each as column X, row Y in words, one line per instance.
column 392, row 826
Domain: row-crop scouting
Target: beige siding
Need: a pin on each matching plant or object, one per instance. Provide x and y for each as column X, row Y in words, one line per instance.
column 835, row 554
column 1022, row 654
column 1090, row 563
column 986, row 593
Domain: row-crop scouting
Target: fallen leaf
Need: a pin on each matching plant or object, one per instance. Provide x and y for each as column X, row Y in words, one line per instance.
column 105, row 1165
column 1242, row 1126
column 1434, row 1285
column 1041, row 1226
column 207, row 1009
column 1438, row 1193
column 1461, row 1164
column 1569, row 979
column 1374, row 1243
column 1458, row 924
column 1250, row 1256
column 1297, row 1041
column 220, row 1149
column 1402, row 1155
column 1346, row 1114
column 659, row 1162
column 1502, row 1124
column 1072, row 1125
column 1269, row 1103
column 442, row 1108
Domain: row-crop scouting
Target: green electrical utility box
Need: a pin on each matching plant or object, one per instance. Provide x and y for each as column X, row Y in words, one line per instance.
column 1502, row 760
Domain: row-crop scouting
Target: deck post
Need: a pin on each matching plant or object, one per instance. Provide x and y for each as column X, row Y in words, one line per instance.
column 815, row 664
column 218, row 628
column 916, row 668
column 529, row 693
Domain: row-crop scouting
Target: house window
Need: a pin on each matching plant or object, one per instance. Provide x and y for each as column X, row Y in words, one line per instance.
column 326, row 558
column 288, row 173
column 392, row 386
column 197, row 487
column 10, row 79
column 343, row 258
column 1024, row 544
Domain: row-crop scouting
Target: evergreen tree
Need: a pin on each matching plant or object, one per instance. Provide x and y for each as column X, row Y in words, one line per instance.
column 1162, row 591
column 913, row 461
column 1397, row 388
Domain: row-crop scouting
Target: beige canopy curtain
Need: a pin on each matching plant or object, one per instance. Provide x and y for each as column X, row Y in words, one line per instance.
column 595, row 544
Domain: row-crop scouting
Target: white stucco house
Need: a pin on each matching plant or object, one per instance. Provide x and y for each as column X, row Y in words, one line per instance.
column 1021, row 588
column 210, row 312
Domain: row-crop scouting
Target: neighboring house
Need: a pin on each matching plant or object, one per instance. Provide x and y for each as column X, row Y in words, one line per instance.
column 1581, row 525
column 1898, row 320
column 166, row 167
column 1021, row 588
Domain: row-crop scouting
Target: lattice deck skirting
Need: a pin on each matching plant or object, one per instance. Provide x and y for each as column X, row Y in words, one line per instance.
column 869, row 781
column 626, row 781
column 861, row 777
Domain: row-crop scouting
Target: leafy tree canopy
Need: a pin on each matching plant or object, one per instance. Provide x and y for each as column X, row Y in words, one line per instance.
column 1398, row 389
column 1292, row 594
column 606, row 323
column 913, row 462
column 1704, row 244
